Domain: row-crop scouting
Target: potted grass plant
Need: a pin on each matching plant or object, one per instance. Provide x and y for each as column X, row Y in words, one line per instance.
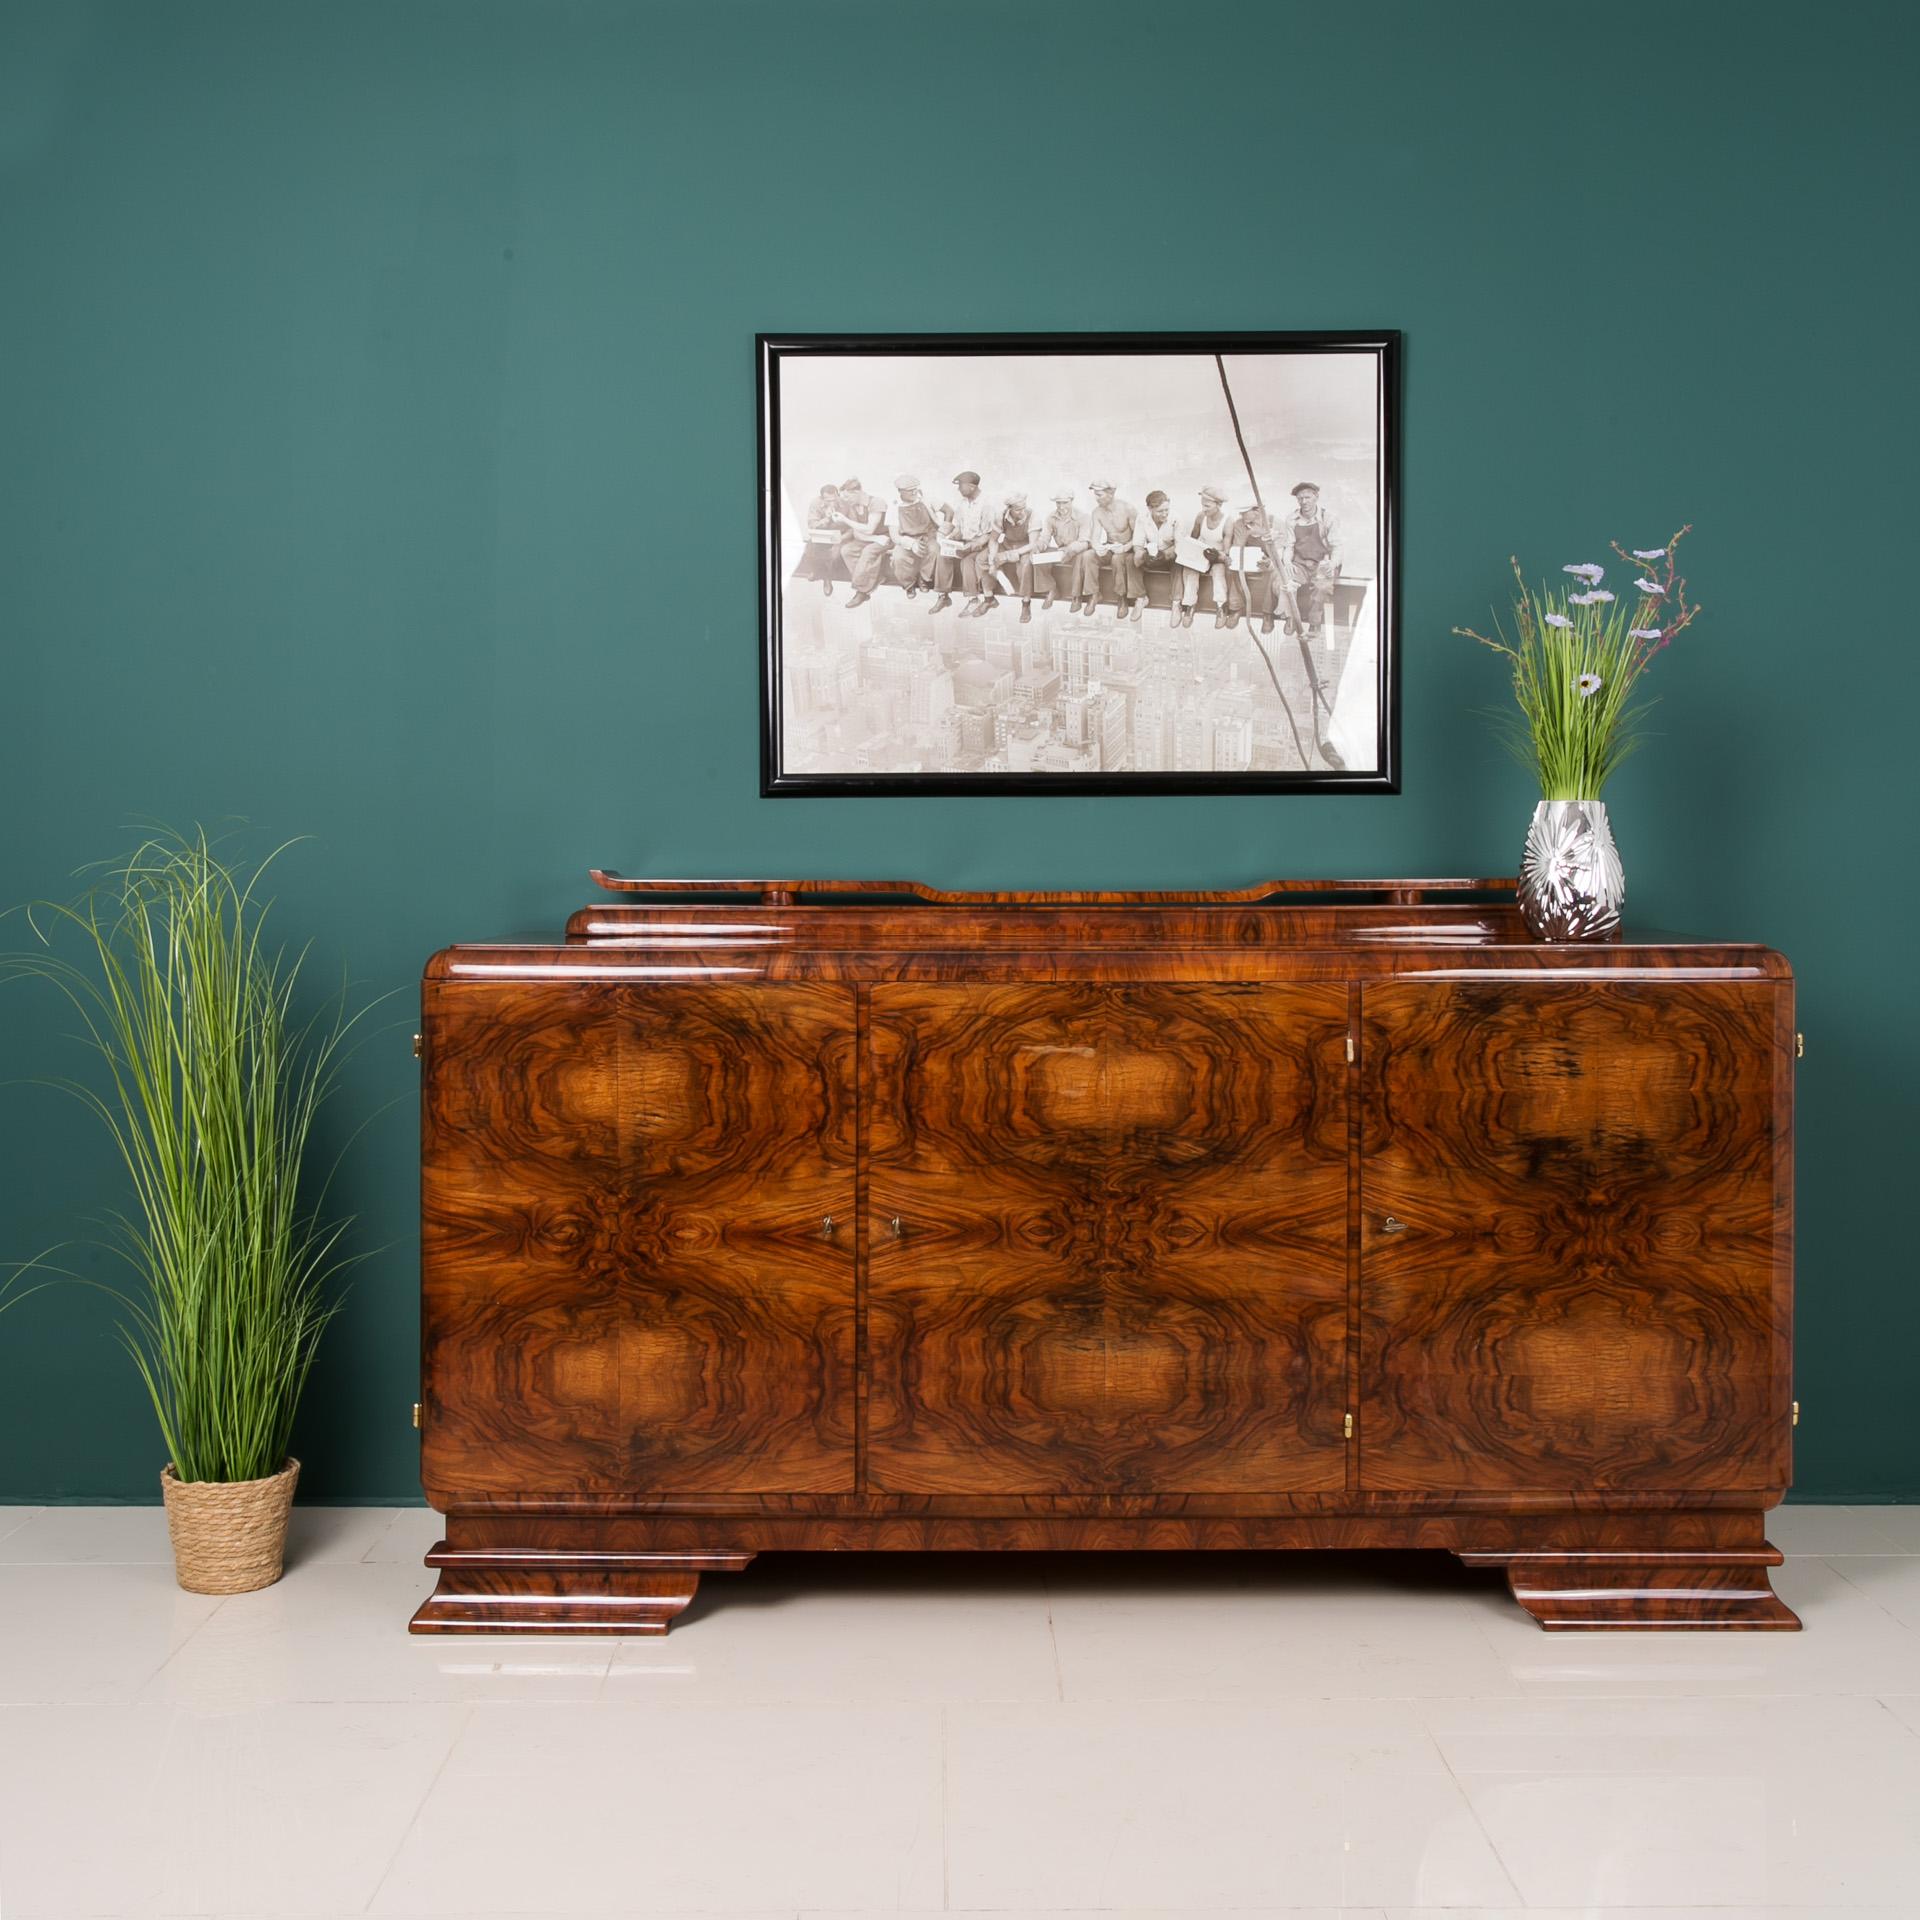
column 209, row 1082
column 1577, row 653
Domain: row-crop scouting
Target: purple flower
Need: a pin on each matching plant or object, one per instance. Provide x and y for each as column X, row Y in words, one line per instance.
column 1643, row 633
column 1593, row 599
column 1649, row 553
column 1589, row 684
column 1557, row 620
column 1651, row 588
column 1588, row 572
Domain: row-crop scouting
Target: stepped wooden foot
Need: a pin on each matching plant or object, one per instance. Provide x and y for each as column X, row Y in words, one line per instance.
column 517, row 1590
column 1701, row 1589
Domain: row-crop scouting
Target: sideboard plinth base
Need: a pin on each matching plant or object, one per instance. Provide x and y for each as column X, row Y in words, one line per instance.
column 508, row 1591
column 1647, row 1591
column 1647, row 1562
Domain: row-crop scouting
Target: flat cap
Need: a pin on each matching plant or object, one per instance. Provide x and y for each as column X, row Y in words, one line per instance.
column 1305, row 486
column 1063, row 493
column 1100, row 486
column 1016, row 499
column 850, row 486
column 961, row 479
column 907, row 483
column 1216, row 494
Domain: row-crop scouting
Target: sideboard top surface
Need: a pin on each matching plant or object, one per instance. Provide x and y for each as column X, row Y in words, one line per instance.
column 842, row 946
column 860, row 928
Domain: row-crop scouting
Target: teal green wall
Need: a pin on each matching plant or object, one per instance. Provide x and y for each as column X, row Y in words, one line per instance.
column 376, row 463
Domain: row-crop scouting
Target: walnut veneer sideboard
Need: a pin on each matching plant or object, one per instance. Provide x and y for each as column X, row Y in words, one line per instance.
column 765, row 1215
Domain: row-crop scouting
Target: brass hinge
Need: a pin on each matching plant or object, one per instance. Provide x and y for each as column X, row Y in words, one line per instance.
column 1799, row 1046
column 1350, row 1048
column 416, row 1046
column 1349, row 1426
column 416, row 1416
column 1796, row 1414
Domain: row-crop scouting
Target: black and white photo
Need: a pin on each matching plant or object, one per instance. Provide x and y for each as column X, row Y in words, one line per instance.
column 1078, row 563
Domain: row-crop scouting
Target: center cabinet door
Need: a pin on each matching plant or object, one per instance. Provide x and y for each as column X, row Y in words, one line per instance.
column 1107, row 1238
column 637, row 1238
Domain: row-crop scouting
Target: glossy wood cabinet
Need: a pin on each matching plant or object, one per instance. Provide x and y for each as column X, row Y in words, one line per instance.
column 810, row 1216
column 628, row 1277
column 1112, row 1252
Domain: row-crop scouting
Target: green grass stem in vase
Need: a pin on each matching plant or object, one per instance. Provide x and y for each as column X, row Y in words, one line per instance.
column 1577, row 653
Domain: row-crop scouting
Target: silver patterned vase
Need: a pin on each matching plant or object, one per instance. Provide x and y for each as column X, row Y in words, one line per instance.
column 1571, row 883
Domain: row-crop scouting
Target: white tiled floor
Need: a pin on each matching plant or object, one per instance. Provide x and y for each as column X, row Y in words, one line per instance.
column 1304, row 1735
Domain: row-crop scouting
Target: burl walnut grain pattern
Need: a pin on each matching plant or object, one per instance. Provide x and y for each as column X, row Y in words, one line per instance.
column 1569, row 1253
column 1107, row 1238
column 628, row 1276
column 1158, row 1235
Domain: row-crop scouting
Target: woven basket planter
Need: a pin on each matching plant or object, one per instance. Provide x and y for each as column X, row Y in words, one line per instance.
column 229, row 1536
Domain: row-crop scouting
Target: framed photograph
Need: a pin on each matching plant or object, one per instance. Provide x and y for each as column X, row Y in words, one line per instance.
column 1079, row 563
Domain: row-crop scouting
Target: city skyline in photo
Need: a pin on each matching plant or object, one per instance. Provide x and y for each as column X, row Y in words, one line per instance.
column 891, row 688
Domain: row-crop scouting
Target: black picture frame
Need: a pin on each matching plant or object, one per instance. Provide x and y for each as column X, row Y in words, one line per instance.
column 772, row 351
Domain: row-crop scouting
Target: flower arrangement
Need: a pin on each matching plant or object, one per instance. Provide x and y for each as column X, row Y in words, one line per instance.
column 1578, row 653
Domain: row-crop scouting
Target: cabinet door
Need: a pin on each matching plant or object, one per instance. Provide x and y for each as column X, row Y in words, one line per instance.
column 1574, row 1255
column 1120, row 1261
column 627, row 1283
